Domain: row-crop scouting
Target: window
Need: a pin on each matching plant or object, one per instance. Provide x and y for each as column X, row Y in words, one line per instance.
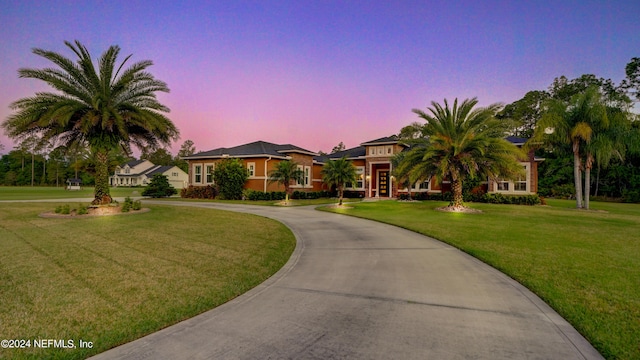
column 424, row 185
column 209, row 173
column 127, row 170
column 503, row 185
column 307, row 175
column 301, row 170
column 521, row 184
column 251, row 168
column 389, row 150
column 197, row 174
column 380, row 150
column 359, row 179
column 372, row 150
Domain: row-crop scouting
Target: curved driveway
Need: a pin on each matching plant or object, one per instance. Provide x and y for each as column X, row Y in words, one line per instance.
column 363, row 290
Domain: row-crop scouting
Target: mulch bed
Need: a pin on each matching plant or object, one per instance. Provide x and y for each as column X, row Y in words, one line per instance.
column 94, row 211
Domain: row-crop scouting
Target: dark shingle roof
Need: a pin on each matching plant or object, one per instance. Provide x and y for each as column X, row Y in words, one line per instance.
column 349, row 153
column 132, row 163
column 385, row 140
column 157, row 170
column 252, row 149
column 516, row 140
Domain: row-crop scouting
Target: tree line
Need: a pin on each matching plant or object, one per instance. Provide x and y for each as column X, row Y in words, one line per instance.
column 588, row 134
column 32, row 164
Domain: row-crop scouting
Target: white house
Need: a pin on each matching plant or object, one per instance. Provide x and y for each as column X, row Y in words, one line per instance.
column 140, row 173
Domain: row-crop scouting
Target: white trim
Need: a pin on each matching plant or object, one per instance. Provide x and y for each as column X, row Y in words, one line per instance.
column 511, row 184
column 205, row 173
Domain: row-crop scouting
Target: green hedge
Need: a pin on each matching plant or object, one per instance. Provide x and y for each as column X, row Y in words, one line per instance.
column 199, row 192
column 254, row 195
column 496, row 198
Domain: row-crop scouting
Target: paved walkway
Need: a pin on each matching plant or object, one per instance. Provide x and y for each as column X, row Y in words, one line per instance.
column 363, row 290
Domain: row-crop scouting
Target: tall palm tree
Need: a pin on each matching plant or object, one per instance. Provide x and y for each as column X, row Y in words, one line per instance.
column 458, row 143
column 285, row 172
column 583, row 123
column 337, row 173
column 105, row 107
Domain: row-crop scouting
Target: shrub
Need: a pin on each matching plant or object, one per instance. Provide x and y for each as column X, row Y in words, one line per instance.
column 310, row 194
column 254, row 195
column 159, row 187
column 82, row 209
column 199, row 192
column 494, row 198
column 128, row 204
column 230, row 176
column 58, row 209
column 137, row 205
column 65, row 209
column 631, row 196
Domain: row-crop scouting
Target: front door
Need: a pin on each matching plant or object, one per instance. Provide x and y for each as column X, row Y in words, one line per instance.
column 383, row 183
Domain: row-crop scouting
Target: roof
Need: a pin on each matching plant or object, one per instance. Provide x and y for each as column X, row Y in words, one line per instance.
column 133, row 163
column 516, row 140
column 352, row 153
column 393, row 139
column 157, row 170
column 254, row 149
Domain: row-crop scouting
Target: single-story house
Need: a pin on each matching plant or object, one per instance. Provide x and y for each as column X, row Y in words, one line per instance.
column 372, row 160
column 260, row 158
column 140, row 173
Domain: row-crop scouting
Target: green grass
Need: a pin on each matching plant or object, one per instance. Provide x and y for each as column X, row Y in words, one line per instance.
column 585, row 264
column 110, row 280
column 297, row 202
column 53, row 193
column 50, row 192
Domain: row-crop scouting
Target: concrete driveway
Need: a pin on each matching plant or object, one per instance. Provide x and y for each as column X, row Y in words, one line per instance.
column 357, row 289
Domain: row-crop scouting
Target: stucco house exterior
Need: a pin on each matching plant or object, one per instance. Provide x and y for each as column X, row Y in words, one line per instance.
column 372, row 160
column 140, row 173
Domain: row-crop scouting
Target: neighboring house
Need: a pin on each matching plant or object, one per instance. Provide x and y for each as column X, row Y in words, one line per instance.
column 372, row 160
column 140, row 173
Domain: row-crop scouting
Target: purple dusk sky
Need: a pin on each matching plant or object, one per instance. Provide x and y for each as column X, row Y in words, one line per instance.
column 314, row 73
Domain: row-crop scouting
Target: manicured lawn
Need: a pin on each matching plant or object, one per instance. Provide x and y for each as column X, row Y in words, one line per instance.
column 50, row 192
column 585, row 264
column 303, row 202
column 46, row 193
column 110, row 280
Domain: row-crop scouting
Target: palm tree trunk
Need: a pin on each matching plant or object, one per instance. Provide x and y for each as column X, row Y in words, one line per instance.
column 341, row 194
column 577, row 175
column 587, row 186
column 587, row 180
column 101, row 193
column 456, row 188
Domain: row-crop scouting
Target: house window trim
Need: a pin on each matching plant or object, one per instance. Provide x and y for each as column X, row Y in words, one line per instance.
column 360, row 179
column 251, row 169
column 197, row 173
column 209, row 174
column 512, row 184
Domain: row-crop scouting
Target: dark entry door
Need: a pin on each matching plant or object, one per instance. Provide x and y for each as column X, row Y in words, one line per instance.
column 383, row 183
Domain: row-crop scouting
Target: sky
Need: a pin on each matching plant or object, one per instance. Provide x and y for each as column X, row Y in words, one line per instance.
column 316, row 73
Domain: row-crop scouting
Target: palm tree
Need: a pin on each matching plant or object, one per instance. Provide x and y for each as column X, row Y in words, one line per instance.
column 458, row 143
column 285, row 172
column 582, row 123
column 337, row 173
column 105, row 107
